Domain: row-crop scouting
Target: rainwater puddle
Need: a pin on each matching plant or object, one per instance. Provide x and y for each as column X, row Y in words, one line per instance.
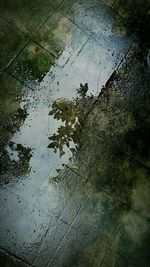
column 63, row 70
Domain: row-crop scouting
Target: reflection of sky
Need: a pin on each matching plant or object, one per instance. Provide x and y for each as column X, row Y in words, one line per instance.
column 93, row 65
column 24, row 223
column 34, row 133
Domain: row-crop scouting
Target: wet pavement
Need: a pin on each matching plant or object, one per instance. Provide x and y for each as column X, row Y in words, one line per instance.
column 74, row 184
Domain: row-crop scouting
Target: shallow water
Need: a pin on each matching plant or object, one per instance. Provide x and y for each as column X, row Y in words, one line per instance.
column 50, row 162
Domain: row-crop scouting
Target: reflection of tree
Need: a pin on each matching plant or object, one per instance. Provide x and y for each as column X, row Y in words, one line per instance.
column 9, row 124
column 70, row 113
column 19, row 165
column 12, row 115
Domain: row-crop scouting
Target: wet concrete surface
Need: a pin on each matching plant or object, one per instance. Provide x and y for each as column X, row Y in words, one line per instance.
column 67, row 196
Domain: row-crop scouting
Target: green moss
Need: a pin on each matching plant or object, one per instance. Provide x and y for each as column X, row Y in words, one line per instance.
column 32, row 64
column 36, row 63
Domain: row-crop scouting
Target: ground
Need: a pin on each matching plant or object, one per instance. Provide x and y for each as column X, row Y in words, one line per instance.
column 74, row 139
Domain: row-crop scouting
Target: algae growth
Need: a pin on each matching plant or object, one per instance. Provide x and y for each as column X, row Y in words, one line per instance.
column 32, row 64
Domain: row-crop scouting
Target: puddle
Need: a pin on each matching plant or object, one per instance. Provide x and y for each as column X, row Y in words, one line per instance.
column 49, row 155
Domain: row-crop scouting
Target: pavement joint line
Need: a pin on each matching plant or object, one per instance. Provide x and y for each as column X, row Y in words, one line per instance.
column 13, row 26
column 17, row 194
column 86, row 116
column 78, row 174
column 57, row 5
column 15, row 56
column 125, row 56
column 110, row 79
column 65, row 222
column 110, row 195
column 18, row 80
column 118, row 231
column 90, row 33
column 88, row 112
column 103, row 87
column 45, row 20
column 94, row 6
column 109, row 249
column 136, row 161
column 36, row 42
column 65, row 15
column 59, row 220
column 76, row 55
column 107, row 5
column 42, row 240
column 46, row 232
column 38, row 28
column 79, row 210
column 99, row 187
column 30, row 38
column 16, row 257
column 82, row 48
